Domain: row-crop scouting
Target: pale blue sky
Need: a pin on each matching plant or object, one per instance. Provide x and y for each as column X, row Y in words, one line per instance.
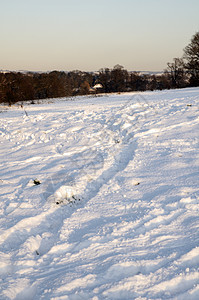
column 91, row 34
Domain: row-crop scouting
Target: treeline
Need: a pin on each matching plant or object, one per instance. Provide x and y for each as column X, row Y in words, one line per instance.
column 18, row 86
column 182, row 72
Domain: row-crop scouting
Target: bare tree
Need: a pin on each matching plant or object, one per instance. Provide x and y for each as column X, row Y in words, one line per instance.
column 177, row 73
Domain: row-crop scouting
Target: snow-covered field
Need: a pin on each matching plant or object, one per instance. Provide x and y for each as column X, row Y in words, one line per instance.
column 116, row 213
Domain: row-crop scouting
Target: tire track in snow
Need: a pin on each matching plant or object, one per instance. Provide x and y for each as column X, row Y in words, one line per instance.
column 112, row 133
column 31, row 228
column 92, row 188
column 127, row 147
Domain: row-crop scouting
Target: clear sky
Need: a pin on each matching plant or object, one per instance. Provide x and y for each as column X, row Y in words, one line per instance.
column 41, row 35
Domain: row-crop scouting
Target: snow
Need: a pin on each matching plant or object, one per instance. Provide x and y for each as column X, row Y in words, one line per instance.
column 100, row 197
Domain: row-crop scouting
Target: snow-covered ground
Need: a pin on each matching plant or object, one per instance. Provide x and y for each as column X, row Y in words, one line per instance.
column 116, row 213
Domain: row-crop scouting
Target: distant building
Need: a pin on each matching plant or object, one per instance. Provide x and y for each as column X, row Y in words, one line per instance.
column 96, row 88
